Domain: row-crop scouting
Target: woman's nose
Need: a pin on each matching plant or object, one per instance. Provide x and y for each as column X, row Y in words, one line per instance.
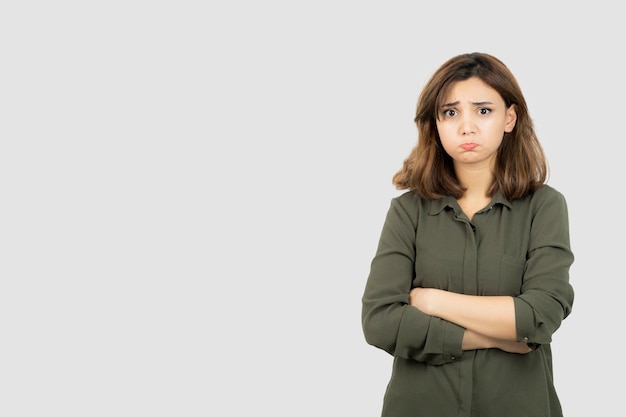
column 467, row 126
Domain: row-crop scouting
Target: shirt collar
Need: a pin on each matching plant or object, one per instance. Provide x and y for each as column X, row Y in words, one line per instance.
column 436, row 206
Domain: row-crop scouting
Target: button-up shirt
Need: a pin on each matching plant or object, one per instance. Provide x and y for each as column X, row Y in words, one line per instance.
column 518, row 248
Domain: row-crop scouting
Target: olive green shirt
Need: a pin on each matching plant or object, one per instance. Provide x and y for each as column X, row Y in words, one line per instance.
column 518, row 248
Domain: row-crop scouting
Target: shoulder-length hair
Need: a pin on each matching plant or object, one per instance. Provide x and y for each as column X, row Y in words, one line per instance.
column 521, row 165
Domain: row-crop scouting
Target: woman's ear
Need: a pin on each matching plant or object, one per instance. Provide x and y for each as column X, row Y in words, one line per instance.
column 511, row 118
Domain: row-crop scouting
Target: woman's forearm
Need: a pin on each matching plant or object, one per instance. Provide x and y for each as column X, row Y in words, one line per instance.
column 492, row 316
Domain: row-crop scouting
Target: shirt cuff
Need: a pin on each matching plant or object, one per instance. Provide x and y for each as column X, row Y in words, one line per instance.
column 524, row 321
column 452, row 342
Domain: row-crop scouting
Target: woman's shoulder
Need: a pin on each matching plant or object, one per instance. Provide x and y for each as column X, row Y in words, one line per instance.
column 547, row 192
column 411, row 202
column 409, row 199
column 546, row 196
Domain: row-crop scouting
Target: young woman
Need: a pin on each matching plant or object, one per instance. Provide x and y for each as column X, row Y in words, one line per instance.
column 471, row 276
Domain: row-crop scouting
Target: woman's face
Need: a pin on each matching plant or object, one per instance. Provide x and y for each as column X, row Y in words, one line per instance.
column 472, row 121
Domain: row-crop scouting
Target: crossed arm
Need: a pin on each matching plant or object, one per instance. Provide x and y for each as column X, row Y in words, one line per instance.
column 489, row 321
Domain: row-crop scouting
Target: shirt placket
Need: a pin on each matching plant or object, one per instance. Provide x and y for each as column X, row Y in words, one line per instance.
column 470, row 286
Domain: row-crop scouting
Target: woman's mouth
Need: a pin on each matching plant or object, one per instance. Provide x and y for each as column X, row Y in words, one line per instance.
column 468, row 146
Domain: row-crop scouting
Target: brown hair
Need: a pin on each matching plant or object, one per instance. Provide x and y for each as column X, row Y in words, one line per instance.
column 521, row 165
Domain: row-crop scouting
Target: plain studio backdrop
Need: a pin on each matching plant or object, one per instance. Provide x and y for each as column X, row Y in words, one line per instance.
column 192, row 193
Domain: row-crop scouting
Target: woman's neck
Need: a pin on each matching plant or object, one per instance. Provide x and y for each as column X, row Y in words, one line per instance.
column 476, row 181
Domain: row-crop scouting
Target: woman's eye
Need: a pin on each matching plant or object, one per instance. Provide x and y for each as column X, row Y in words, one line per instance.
column 449, row 112
column 484, row 111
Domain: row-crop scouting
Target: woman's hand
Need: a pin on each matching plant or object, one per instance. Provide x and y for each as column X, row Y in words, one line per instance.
column 423, row 299
column 473, row 341
column 513, row 347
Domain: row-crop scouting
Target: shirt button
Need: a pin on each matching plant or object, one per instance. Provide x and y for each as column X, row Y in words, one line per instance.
column 525, row 339
column 453, row 357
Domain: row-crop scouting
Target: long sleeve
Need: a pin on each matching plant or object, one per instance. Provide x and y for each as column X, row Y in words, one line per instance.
column 389, row 323
column 546, row 297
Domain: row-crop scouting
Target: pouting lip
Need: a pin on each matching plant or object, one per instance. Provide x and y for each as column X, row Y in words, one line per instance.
column 468, row 146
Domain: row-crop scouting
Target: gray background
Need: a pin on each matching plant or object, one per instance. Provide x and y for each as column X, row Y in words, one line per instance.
column 192, row 193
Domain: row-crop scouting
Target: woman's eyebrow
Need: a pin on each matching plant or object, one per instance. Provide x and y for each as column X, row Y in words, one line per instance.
column 477, row 103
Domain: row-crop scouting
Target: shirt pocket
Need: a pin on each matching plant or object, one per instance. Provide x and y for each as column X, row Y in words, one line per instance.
column 511, row 275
